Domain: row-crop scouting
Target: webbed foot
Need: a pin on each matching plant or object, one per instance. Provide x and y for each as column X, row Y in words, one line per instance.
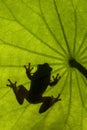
column 11, row 85
column 28, row 69
column 46, row 105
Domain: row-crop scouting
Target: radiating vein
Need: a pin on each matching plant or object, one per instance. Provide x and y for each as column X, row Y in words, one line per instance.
column 82, row 120
column 11, row 66
column 51, row 32
column 44, row 20
column 83, row 58
column 70, row 97
column 75, row 32
column 30, row 51
column 79, row 89
column 82, row 52
column 9, row 19
column 59, row 69
column 15, row 110
column 64, row 83
column 4, row 94
column 30, row 31
column 84, row 81
column 82, row 44
column 19, row 117
column 3, row 87
column 61, row 25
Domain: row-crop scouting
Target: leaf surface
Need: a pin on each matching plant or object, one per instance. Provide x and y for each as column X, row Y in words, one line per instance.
column 42, row 31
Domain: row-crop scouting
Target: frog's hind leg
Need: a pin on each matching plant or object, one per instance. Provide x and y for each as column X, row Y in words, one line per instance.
column 21, row 94
column 20, row 91
column 50, row 102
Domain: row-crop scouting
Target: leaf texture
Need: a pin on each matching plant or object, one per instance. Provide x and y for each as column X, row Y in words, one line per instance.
column 41, row 31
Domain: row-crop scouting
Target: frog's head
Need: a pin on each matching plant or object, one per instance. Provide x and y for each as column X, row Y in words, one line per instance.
column 44, row 67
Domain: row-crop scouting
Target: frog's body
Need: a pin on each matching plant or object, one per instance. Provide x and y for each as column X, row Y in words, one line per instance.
column 39, row 83
column 40, row 80
column 37, row 90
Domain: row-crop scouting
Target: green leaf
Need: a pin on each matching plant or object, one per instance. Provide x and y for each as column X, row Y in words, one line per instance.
column 39, row 31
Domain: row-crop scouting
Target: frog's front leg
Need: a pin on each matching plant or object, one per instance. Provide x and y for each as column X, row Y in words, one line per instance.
column 19, row 91
column 28, row 71
column 55, row 80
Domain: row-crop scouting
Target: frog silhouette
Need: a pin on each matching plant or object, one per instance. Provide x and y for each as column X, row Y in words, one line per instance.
column 40, row 80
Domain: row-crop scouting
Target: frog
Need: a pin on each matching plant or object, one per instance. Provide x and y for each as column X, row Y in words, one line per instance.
column 40, row 80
